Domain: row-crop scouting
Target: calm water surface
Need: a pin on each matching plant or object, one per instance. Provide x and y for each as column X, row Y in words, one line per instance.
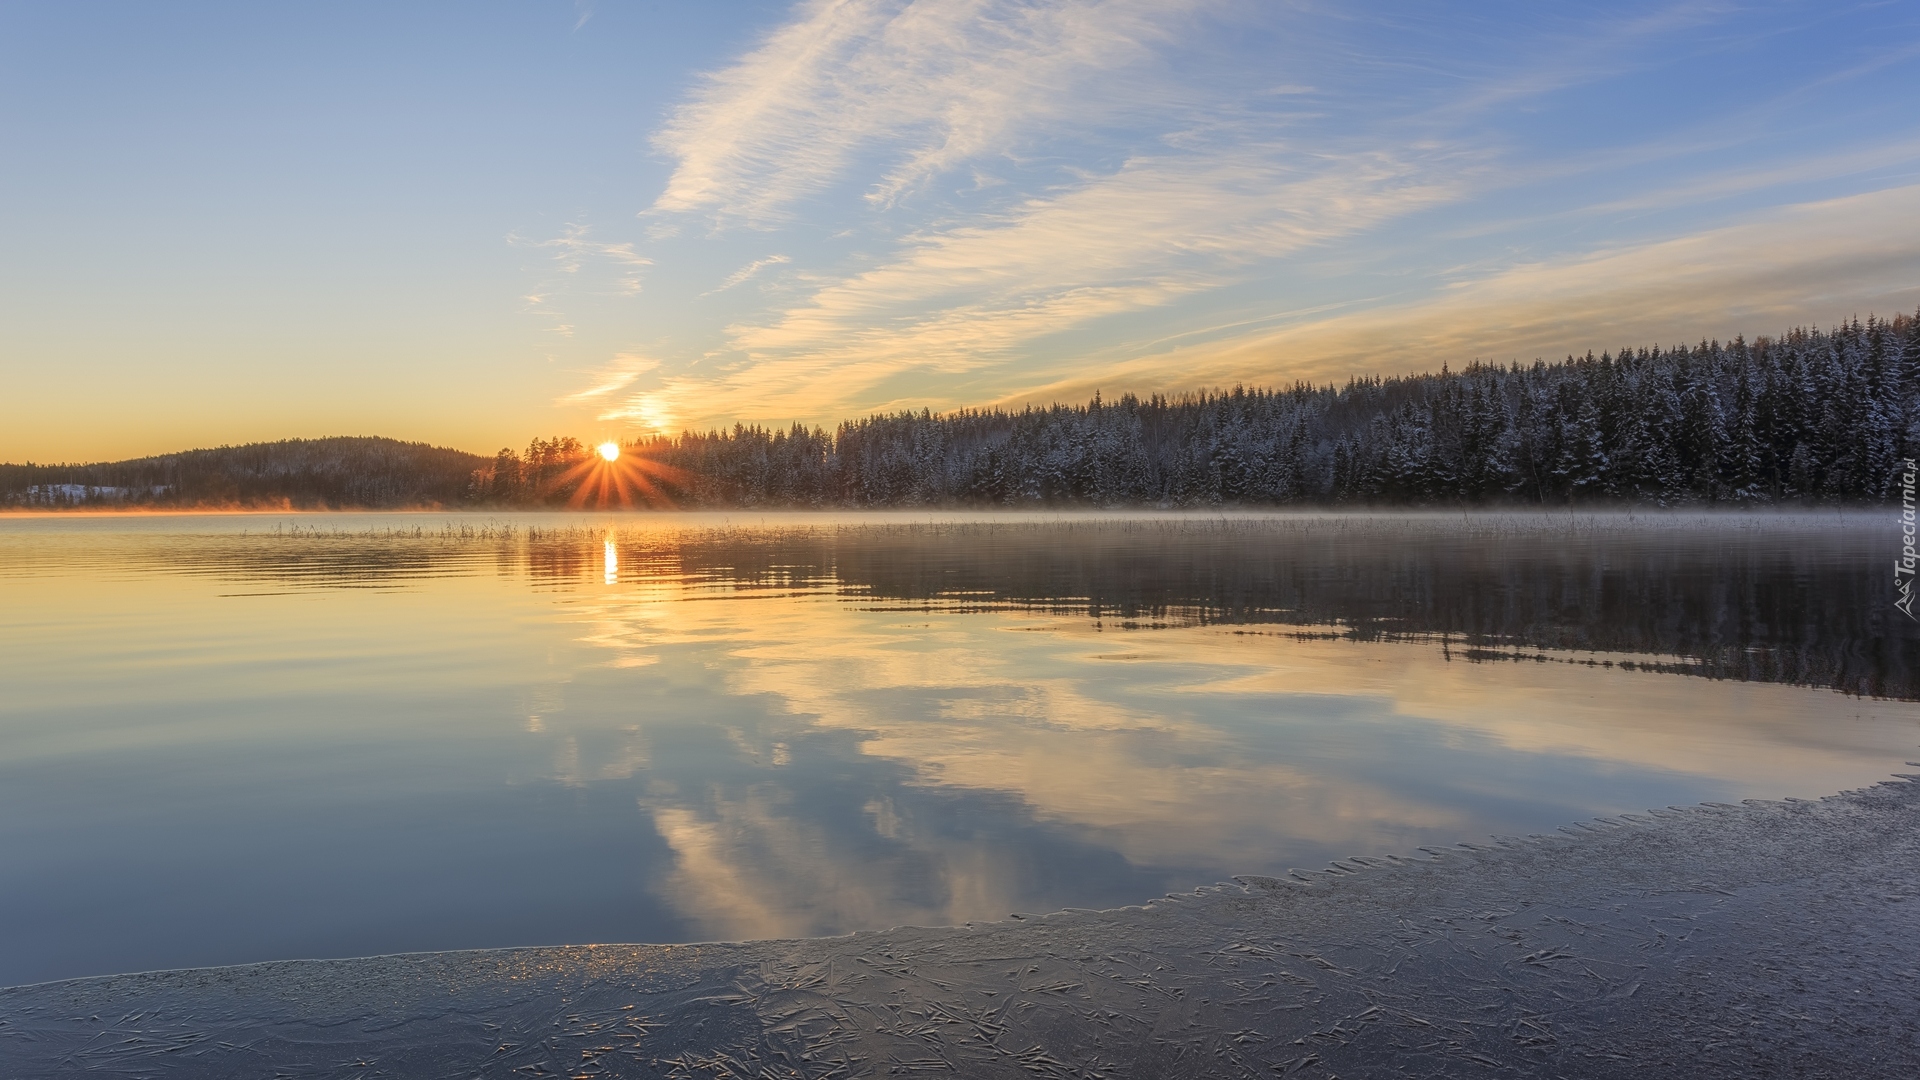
column 228, row 739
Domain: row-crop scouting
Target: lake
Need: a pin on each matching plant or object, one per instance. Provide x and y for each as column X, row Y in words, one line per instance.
column 235, row 738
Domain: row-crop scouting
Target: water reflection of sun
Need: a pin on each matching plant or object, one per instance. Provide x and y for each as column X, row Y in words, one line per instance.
column 610, row 477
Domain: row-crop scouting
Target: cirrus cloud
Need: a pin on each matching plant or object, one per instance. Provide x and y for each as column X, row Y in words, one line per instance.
column 938, row 81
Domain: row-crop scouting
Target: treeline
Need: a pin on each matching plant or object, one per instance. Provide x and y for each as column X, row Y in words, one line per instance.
column 1815, row 416
column 307, row 473
column 1812, row 417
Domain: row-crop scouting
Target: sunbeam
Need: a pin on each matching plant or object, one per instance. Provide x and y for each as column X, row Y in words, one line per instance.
column 612, row 479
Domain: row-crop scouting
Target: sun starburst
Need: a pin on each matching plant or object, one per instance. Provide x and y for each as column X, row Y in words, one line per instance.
column 612, row 477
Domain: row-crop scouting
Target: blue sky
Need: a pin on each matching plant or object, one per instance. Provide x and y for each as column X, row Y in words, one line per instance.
column 474, row 223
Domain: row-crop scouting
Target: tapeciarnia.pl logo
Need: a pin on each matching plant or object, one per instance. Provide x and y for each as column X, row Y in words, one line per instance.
column 1903, row 567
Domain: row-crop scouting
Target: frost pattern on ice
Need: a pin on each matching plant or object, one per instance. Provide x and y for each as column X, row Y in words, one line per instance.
column 1715, row 941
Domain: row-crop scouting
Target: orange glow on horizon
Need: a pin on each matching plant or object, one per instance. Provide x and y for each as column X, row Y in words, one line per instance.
column 611, row 479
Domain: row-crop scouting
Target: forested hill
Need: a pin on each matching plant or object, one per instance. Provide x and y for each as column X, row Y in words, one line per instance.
column 306, row 473
column 1815, row 416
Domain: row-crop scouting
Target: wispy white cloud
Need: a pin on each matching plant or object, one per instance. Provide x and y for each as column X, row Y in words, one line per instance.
column 938, row 82
column 1678, row 187
column 1028, row 269
column 1883, row 57
column 540, row 303
column 1727, row 183
column 1582, row 50
column 574, row 248
column 616, row 376
column 652, row 413
column 747, row 271
column 568, row 254
column 1828, row 259
column 614, row 397
column 1158, row 229
column 1213, row 187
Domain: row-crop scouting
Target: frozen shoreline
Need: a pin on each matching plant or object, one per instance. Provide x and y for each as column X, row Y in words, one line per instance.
column 1765, row 939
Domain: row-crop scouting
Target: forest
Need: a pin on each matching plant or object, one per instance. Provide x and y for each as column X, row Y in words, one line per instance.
column 1811, row 417
column 335, row 473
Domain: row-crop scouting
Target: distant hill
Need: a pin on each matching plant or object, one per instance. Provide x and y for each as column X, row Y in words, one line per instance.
column 335, row 473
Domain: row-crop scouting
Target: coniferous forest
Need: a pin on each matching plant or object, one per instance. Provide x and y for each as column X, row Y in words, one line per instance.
column 1811, row 417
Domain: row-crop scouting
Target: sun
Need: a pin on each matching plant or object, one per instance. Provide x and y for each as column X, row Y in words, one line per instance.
column 611, row 476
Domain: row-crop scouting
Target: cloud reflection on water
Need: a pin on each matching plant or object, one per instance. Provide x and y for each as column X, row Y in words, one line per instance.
column 1190, row 751
column 744, row 732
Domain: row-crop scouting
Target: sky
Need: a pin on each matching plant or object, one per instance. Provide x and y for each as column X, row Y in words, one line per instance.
column 476, row 223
